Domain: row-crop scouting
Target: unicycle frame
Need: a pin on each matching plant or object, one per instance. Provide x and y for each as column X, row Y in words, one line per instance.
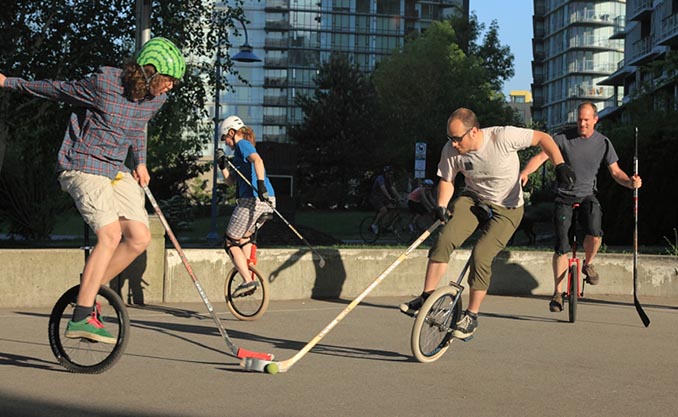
column 575, row 284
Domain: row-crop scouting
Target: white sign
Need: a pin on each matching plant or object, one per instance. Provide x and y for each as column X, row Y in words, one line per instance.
column 420, row 160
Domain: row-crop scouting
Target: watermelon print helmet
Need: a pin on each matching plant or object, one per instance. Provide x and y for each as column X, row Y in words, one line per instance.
column 164, row 56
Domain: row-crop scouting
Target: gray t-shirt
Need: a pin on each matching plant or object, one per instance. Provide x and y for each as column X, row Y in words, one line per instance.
column 492, row 171
column 585, row 156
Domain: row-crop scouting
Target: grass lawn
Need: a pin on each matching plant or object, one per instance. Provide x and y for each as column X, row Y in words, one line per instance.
column 340, row 224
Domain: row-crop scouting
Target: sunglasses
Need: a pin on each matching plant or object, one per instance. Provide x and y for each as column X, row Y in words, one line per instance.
column 457, row 139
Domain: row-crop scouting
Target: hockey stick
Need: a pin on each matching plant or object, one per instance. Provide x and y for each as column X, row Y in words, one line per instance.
column 321, row 260
column 271, row 367
column 636, row 303
column 235, row 350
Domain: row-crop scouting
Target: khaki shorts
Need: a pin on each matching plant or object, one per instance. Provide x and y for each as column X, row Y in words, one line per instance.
column 102, row 201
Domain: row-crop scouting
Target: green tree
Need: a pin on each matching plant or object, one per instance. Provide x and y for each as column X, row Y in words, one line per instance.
column 338, row 136
column 419, row 86
column 68, row 40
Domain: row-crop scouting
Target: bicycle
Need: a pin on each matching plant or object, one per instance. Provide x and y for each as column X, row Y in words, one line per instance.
column 392, row 222
column 574, row 290
column 252, row 304
column 434, row 325
column 80, row 355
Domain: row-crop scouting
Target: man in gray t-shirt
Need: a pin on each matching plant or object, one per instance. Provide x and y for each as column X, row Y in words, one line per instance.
column 492, row 200
column 584, row 150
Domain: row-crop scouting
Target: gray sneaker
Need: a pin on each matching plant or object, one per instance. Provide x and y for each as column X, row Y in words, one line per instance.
column 466, row 326
column 591, row 274
column 245, row 289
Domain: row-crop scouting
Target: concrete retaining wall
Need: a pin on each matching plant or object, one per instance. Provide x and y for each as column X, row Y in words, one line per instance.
column 36, row 277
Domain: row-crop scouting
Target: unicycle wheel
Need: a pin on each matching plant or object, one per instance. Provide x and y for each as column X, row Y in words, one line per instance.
column 81, row 355
column 434, row 325
column 251, row 305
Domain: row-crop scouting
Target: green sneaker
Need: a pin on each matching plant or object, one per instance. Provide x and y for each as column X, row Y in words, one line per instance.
column 91, row 329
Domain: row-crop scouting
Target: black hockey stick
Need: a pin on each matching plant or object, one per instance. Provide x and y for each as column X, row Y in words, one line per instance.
column 636, row 303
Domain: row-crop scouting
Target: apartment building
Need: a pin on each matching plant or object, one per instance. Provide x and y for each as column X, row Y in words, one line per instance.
column 573, row 51
column 293, row 37
column 650, row 31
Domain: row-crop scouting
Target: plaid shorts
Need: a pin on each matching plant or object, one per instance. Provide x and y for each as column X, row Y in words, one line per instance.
column 245, row 216
column 102, row 201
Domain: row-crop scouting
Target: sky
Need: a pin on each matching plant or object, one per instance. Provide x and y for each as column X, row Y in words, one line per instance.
column 515, row 30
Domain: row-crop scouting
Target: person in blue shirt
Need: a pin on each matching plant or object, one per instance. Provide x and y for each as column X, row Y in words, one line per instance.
column 253, row 200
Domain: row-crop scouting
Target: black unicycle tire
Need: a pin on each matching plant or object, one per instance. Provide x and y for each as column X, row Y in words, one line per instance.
column 80, row 355
column 434, row 325
column 573, row 290
column 250, row 307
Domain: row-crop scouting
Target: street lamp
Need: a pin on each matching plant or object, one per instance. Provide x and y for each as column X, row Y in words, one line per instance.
column 245, row 55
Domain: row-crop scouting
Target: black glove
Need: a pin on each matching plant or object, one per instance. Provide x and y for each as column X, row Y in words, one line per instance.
column 221, row 158
column 261, row 189
column 565, row 176
column 442, row 214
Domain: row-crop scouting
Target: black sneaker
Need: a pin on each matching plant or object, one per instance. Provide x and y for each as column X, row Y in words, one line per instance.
column 245, row 289
column 556, row 303
column 466, row 326
column 412, row 308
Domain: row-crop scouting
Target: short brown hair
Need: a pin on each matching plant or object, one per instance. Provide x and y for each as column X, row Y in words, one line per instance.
column 590, row 104
column 467, row 117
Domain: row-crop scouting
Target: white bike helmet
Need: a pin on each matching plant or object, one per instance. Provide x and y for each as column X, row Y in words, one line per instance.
column 231, row 122
column 428, row 183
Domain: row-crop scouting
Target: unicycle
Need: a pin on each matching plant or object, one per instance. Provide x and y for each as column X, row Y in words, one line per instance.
column 252, row 304
column 434, row 325
column 574, row 290
column 82, row 355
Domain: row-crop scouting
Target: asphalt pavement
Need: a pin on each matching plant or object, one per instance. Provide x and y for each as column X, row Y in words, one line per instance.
column 524, row 361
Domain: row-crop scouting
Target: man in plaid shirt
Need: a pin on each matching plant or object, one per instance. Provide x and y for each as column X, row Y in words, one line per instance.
column 111, row 110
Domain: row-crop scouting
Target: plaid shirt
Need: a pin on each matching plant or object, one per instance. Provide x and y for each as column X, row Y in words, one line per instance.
column 104, row 124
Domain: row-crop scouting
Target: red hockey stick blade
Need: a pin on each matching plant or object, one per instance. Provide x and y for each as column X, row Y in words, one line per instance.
column 244, row 353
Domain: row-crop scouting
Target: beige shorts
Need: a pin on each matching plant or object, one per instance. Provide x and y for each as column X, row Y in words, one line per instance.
column 102, row 201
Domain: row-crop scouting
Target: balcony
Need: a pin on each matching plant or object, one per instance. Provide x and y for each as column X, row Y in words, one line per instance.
column 277, row 25
column 619, row 30
column 275, row 43
column 587, row 91
column 588, row 41
column 275, row 82
column 589, row 16
column 275, row 63
column 610, row 107
column 617, row 77
column 589, row 67
column 669, row 31
column 275, row 120
column 644, row 50
column 639, row 10
column 275, row 100
column 276, row 5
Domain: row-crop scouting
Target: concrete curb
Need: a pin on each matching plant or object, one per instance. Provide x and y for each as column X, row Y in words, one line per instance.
column 36, row 277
